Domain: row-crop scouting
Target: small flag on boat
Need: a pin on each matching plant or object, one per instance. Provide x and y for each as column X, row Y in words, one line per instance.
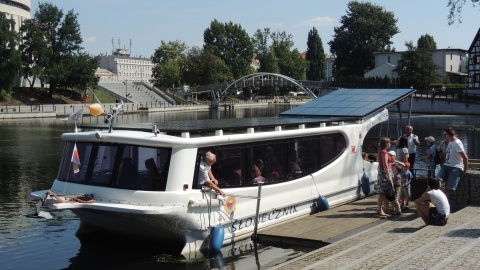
column 75, row 160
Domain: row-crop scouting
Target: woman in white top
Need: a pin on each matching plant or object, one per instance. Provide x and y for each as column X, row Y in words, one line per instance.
column 433, row 206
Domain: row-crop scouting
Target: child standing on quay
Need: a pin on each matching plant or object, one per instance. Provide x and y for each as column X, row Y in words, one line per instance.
column 396, row 169
column 406, row 177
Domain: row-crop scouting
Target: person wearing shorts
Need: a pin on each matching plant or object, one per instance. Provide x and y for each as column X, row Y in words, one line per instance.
column 433, row 206
column 456, row 163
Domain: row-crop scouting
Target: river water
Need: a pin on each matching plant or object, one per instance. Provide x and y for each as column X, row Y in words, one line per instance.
column 30, row 152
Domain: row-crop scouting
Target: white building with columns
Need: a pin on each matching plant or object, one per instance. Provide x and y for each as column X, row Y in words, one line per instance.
column 127, row 68
column 18, row 10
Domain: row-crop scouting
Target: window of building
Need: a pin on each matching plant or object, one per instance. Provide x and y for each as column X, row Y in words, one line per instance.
column 388, row 59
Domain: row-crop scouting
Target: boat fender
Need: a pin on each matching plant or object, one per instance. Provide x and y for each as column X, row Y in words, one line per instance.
column 217, row 237
column 365, row 184
column 322, row 204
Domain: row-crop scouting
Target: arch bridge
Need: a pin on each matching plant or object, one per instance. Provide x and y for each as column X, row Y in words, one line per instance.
column 262, row 79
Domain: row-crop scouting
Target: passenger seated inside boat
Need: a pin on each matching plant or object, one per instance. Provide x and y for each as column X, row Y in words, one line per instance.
column 294, row 169
column 256, row 174
column 273, row 169
column 128, row 173
column 80, row 199
column 153, row 176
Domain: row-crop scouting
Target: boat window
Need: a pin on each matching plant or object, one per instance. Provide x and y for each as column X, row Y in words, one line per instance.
column 228, row 167
column 270, row 161
column 273, row 161
column 114, row 165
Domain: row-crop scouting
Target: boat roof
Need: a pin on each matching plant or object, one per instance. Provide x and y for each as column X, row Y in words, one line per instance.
column 339, row 105
column 356, row 103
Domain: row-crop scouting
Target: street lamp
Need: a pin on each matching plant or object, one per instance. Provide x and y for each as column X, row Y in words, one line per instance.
column 126, row 95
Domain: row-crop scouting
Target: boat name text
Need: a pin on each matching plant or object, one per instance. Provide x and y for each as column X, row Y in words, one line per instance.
column 273, row 215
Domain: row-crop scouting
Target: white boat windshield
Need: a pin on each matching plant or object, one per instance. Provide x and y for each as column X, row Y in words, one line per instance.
column 273, row 161
column 115, row 165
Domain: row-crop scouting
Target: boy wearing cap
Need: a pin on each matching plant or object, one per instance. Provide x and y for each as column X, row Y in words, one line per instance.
column 430, row 155
column 406, row 177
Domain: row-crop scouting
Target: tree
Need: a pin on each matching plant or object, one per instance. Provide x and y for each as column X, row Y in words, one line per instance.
column 81, row 69
column 367, row 28
column 202, row 67
column 290, row 62
column 10, row 58
column 416, row 67
column 456, row 7
column 168, row 60
column 232, row 44
column 315, row 56
column 427, row 42
column 34, row 51
column 63, row 41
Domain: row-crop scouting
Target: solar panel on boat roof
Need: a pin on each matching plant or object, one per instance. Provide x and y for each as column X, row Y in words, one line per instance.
column 349, row 103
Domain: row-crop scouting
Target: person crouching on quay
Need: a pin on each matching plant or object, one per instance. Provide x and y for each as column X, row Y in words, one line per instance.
column 433, row 206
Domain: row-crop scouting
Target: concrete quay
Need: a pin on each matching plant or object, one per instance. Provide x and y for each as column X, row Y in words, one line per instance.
column 420, row 105
column 358, row 239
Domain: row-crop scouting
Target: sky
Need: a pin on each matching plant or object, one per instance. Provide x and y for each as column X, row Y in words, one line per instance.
column 148, row 22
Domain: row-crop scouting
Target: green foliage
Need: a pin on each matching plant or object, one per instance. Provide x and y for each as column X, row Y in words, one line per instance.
column 172, row 51
column 202, row 67
column 81, row 71
column 168, row 59
column 269, row 63
column 315, row 57
column 367, row 28
column 264, row 53
column 416, row 67
column 232, row 44
column 427, row 42
column 10, row 58
column 63, row 64
column 278, row 57
column 34, row 51
column 456, row 7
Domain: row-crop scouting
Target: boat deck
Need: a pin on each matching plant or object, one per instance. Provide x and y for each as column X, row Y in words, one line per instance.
column 351, row 236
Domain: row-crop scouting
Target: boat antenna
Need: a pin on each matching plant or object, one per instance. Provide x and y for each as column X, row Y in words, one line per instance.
column 74, row 117
column 118, row 109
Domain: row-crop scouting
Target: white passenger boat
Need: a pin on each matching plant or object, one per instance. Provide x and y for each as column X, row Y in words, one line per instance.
column 144, row 179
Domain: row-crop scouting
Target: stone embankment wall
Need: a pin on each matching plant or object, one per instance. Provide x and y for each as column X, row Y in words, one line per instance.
column 468, row 191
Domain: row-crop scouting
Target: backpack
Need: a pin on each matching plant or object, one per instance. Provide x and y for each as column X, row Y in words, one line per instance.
column 438, row 156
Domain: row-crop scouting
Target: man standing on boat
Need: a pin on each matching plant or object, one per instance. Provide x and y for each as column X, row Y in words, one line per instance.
column 413, row 142
column 205, row 175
